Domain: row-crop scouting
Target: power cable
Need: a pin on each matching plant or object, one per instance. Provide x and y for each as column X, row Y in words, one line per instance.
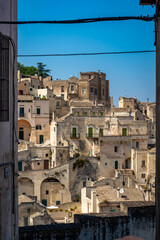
column 84, row 20
column 84, row 54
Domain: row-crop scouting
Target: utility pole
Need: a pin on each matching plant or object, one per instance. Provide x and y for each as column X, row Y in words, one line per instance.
column 157, row 43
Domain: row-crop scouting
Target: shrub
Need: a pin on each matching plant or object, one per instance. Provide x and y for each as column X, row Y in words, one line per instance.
column 66, row 210
column 60, row 209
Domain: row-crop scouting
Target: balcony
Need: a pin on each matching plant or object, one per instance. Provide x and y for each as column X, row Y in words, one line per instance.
column 75, row 136
column 92, row 135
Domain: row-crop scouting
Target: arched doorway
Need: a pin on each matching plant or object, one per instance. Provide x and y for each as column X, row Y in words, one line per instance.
column 24, row 130
column 52, row 192
column 25, row 186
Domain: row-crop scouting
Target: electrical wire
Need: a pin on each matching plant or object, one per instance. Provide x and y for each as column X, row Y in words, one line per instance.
column 83, row 54
column 84, row 20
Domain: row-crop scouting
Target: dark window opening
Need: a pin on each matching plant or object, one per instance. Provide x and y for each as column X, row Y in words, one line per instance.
column 38, row 127
column 47, row 192
column 116, row 149
column 62, row 88
column 38, row 111
column 95, row 91
column 137, row 144
column 92, row 89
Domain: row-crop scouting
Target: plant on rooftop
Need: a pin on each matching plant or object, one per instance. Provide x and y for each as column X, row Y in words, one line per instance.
column 66, row 210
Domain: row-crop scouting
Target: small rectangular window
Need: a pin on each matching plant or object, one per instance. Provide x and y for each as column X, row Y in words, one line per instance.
column 116, row 149
column 124, row 131
column 143, row 175
column 103, row 91
column 62, row 88
column 28, row 210
column 93, row 114
column 62, row 96
column 77, row 113
column 83, row 90
column 85, row 114
column 84, row 184
column 137, row 144
column 57, row 104
column 38, row 111
column 72, row 88
column 92, row 89
column 95, row 91
column 89, row 76
column 101, row 114
column 47, row 192
column 101, row 132
column 143, row 163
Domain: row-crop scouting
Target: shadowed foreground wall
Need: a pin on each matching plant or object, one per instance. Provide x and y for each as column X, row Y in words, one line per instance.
column 140, row 222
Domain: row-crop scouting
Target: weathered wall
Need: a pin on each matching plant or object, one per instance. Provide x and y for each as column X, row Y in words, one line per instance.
column 139, row 222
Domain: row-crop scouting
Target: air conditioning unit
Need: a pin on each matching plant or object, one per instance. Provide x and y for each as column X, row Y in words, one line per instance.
column 147, row 2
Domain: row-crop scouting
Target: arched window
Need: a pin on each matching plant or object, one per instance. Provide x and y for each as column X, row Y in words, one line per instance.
column 38, row 127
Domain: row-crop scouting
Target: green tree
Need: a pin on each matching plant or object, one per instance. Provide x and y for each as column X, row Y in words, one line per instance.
column 41, row 71
column 25, row 70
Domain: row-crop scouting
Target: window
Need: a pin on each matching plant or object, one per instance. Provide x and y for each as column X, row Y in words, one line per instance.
column 105, row 163
column 84, row 184
column 123, row 183
column 143, row 163
column 62, row 88
column 101, row 114
column 101, row 132
column 137, row 144
column 103, row 91
column 44, row 202
column 38, row 111
column 47, row 192
column 57, row 104
column 58, row 202
column 62, row 96
column 85, row 114
column 124, row 131
column 115, row 149
column 38, row 163
column 40, row 139
column 74, row 132
column 20, row 92
column 4, row 79
column 30, row 89
column 28, row 109
column 21, row 112
column 38, row 127
column 143, row 175
column 77, row 113
column 92, row 89
column 89, row 76
column 83, row 90
column 93, row 114
column 72, row 88
column 28, row 210
column 19, row 166
column 95, row 91
column 46, row 154
column 25, row 221
column 116, row 164
column 90, row 132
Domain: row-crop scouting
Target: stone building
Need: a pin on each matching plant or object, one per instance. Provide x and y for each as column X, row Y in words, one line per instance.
column 106, row 199
column 32, row 212
column 33, row 119
column 8, row 123
column 91, row 86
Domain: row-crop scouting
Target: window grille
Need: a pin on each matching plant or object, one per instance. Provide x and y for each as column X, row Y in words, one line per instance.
column 4, row 79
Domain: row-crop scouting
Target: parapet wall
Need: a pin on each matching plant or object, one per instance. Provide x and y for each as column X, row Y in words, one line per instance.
column 140, row 222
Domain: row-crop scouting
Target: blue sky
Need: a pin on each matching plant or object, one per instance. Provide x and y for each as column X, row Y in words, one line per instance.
column 129, row 75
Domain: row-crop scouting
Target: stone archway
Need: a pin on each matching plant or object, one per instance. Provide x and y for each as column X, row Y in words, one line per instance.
column 24, row 130
column 52, row 192
column 25, row 186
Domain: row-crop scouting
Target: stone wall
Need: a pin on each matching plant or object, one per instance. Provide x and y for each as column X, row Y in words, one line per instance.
column 140, row 222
